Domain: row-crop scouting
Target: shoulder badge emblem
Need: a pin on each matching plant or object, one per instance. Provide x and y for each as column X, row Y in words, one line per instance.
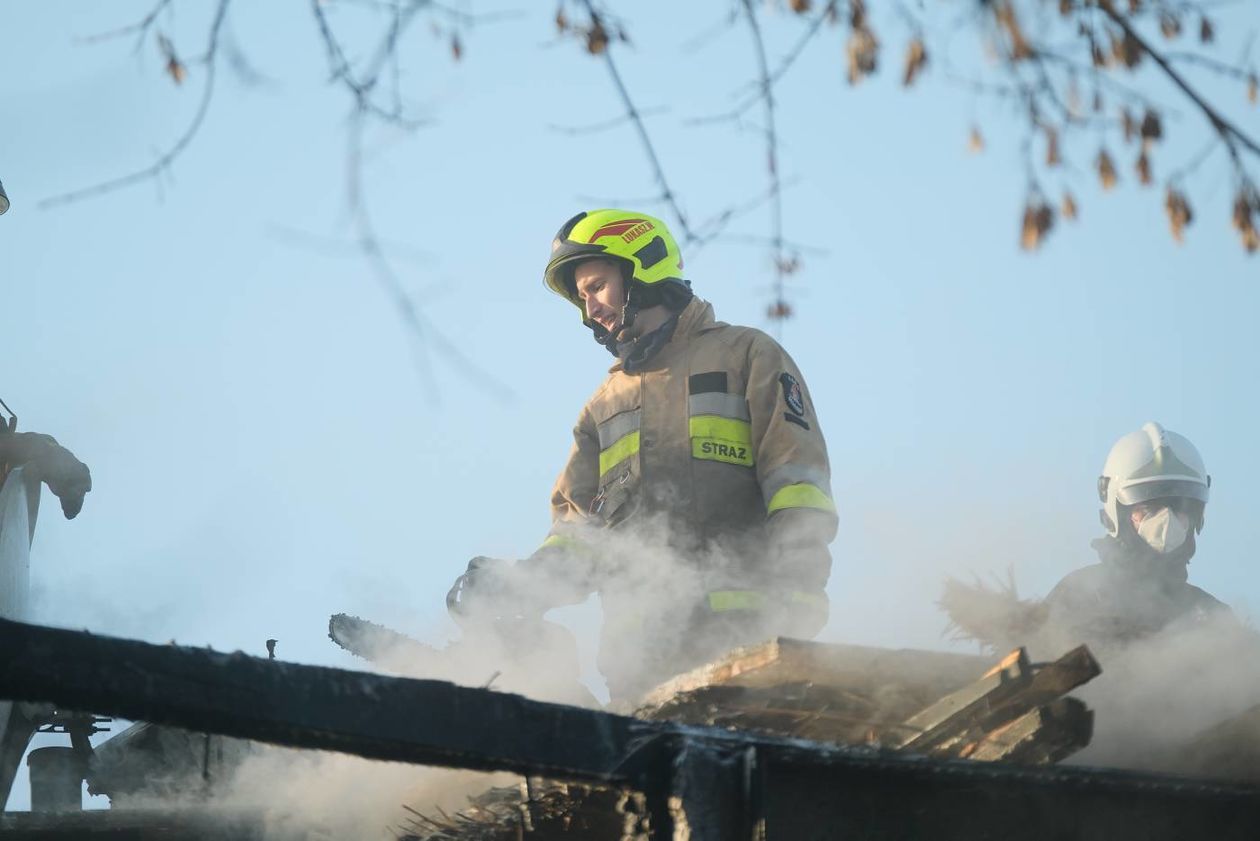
column 792, row 394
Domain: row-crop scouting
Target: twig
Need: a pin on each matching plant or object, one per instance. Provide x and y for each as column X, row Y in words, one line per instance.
column 711, row 229
column 772, row 156
column 773, row 78
column 1195, row 162
column 605, row 125
column 1216, row 65
column 165, row 160
column 701, row 40
column 141, row 27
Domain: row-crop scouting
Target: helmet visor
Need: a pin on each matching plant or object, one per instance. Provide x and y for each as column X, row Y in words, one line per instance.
column 1162, row 489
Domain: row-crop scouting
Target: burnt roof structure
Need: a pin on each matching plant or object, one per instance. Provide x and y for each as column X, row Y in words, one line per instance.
column 692, row 781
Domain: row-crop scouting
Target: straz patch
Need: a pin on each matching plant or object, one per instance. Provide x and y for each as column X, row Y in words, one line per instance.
column 715, row 449
column 792, row 394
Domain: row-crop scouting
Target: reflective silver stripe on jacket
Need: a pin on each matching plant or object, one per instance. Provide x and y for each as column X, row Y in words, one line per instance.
column 617, row 427
column 715, row 403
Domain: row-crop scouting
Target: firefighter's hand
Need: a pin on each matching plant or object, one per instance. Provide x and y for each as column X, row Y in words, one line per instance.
column 481, row 591
column 46, row 460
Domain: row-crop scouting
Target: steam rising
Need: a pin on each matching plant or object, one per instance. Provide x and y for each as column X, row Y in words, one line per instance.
column 652, row 591
column 1154, row 696
column 1157, row 695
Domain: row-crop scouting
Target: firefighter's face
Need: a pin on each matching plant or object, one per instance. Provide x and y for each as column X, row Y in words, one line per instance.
column 602, row 289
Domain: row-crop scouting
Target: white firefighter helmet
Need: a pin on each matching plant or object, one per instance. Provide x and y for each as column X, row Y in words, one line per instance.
column 1151, row 463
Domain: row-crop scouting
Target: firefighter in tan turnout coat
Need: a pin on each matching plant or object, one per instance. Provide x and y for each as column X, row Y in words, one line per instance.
column 696, row 498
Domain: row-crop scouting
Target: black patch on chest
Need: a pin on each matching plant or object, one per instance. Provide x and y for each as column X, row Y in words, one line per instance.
column 707, row 383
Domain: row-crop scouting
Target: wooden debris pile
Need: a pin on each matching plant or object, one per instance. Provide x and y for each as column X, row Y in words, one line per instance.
column 915, row 701
column 897, row 700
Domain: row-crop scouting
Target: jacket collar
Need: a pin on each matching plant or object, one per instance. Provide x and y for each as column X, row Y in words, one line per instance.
column 697, row 317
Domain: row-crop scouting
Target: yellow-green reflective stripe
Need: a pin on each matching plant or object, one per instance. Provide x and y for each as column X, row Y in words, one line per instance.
column 565, row 543
column 625, row 446
column 802, row 495
column 727, row 429
column 721, row 439
column 722, row 600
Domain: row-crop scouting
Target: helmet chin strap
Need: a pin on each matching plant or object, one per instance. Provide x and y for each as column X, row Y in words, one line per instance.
column 638, row 298
column 611, row 338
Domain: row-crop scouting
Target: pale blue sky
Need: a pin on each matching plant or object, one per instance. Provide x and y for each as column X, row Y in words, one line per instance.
column 265, row 452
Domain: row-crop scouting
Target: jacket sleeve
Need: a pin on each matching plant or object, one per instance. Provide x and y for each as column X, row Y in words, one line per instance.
column 792, row 468
column 564, row 565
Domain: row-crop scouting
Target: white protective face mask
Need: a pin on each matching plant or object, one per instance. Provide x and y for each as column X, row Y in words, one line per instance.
column 1165, row 531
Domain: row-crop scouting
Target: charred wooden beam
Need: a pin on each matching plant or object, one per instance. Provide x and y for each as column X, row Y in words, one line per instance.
column 400, row 719
column 184, row 824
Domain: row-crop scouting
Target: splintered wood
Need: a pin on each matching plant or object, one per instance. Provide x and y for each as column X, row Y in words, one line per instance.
column 930, row 703
column 916, row 701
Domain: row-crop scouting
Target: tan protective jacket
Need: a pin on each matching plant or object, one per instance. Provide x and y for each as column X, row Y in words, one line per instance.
column 717, row 445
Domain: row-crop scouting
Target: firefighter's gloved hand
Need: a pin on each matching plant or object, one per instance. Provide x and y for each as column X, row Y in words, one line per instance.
column 484, row 592
column 46, row 460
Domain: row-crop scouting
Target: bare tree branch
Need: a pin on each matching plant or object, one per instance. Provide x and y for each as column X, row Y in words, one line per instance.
column 782, row 267
column 773, row 78
column 164, row 161
column 635, row 116
column 363, row 89
column 1232, row 136
column 424, row 333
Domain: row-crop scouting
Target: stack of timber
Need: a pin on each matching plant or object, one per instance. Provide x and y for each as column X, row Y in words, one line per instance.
column 920, row 702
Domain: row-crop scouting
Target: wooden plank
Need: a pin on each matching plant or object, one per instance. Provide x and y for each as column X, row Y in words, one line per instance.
column 960, row 709
column 859, row 668
column 1040, row 736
